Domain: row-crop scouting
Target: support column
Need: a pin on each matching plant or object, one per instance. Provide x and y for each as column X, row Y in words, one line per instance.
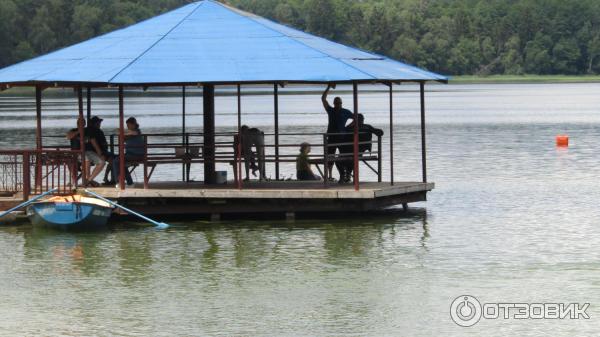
column 121, row 140
column 183, row 131
column 391, row 133
column 238, row 153
column 81, row 130
column 355, row 96
column 208, row 98
column 38, row 116
column 89, row 104
column 423, row 143
column 276, row 103
column 38, row 137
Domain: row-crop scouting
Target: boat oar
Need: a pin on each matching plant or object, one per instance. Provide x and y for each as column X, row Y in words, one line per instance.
column 159, row 225
column 28, row 202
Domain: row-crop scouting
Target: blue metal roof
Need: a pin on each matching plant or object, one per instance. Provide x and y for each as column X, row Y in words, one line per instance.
column 209, row 42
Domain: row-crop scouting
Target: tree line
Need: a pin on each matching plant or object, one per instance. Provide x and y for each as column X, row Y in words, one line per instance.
column 456, row 37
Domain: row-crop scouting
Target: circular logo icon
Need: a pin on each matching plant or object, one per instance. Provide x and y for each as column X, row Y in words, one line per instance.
column 465, row 310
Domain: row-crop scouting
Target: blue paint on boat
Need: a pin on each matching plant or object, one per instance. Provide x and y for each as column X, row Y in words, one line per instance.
column 70, row 213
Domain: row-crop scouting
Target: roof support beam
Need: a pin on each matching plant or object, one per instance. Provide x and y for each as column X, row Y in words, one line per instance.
column 356, row 166
column 185, row 174
column 238, row 156
column 81, row 130
column 208, row 99
column 276, row 108
column 38, row 117
column 391, row 135
column 122, row 140
column 89, row 104
column 38, row 135
column 423, row 132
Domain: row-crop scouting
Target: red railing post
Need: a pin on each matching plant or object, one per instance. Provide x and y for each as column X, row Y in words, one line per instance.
column 122, row 167
column 356, row 174
column 26, row 175
column 325, row 159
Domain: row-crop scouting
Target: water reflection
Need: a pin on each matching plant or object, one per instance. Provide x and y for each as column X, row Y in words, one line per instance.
column 65, row 253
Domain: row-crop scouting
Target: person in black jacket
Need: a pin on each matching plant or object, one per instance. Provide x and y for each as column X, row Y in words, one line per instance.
column 365, row 137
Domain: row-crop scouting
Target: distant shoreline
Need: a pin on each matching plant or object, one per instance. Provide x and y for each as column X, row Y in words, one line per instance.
column 462, row 79
column 516, row 79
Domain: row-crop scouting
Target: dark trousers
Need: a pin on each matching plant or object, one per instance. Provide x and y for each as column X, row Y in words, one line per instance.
column 116, row 168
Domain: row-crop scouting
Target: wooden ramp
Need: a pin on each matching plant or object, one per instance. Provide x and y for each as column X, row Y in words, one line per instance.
column 265, row 197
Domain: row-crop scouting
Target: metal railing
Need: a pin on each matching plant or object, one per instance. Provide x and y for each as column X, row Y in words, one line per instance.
column 31, row 172
column 188, row 148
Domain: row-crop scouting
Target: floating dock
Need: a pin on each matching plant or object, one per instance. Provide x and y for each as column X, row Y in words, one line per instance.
column 283, row 197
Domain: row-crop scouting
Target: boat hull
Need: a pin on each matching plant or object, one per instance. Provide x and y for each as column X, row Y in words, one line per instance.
column 68, row 216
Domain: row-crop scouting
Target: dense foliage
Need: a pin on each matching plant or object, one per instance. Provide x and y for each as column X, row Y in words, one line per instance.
column 447, row 36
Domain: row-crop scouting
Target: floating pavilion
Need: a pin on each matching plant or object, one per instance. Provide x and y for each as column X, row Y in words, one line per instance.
column 207, row 44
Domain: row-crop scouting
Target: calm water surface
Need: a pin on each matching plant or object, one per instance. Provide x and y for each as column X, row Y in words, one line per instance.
column 512, row 219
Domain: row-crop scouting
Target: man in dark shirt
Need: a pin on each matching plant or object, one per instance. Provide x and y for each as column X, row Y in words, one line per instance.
column 337, row 118
column 93, row 149
column 96, row 149
column 96, row 133
column 365, row 136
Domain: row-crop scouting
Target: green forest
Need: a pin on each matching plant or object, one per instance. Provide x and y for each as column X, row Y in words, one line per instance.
column 455, row 37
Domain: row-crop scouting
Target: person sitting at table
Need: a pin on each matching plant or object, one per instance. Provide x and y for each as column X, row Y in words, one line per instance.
column 134, row 150
column 365, row 137
column 303, row 170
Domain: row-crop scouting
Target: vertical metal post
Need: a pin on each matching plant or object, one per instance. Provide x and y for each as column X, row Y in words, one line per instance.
column 355, row 96
column 276, row 103
column 326, row 160
column 38, row 135
column 26, row 176
column 208, row 98
column 38, row 116
column 81, row 130
column 391, row 133
column 379, row 162
column 146, row 179
column 423, row 143
column 238, row 152
column 89, row 104
column 183, row 132
column 121, row 140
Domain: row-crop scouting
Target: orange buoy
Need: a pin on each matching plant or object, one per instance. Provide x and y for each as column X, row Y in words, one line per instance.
column 562, row 141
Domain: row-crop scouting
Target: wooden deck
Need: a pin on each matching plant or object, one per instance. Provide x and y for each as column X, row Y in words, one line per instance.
column 265, row 197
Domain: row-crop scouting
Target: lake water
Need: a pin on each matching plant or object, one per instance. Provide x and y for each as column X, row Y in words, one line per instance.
column 513, row 219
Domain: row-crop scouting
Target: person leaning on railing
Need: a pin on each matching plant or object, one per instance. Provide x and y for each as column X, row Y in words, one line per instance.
column 365, row 138
column 134, row 150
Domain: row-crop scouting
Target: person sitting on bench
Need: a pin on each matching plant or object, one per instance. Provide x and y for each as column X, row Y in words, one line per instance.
column 365, row 136
column 134, row 150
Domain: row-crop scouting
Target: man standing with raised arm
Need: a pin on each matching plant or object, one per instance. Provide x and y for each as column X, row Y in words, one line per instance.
column 338, row 116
